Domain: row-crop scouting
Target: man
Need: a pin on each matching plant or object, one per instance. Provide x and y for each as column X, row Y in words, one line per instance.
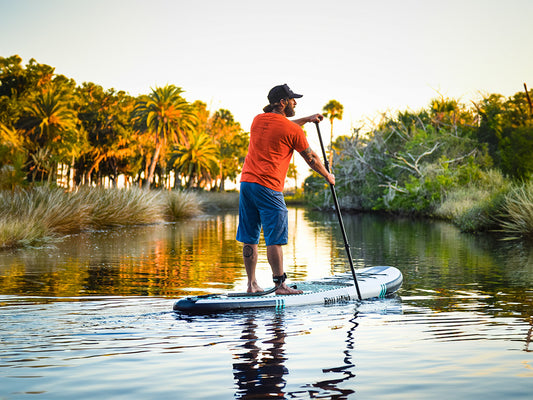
column 273, row 139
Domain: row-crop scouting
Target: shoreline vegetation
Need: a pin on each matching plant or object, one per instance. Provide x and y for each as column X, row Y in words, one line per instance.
column 42, row 215
column 33, row 217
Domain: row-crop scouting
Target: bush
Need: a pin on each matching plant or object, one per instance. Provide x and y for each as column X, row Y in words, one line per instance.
column 473, row 207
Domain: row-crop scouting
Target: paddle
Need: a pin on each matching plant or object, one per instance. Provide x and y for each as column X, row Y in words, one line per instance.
column 339, row 216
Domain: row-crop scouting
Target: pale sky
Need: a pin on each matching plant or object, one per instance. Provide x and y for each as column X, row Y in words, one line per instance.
column 372, row 56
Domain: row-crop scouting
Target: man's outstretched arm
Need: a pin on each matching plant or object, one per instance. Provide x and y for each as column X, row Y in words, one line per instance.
column 310, row 118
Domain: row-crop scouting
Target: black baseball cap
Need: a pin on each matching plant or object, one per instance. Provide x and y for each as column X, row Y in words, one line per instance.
column 281, row 92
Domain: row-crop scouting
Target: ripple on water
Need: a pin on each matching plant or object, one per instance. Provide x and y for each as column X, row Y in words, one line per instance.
column 119, row 346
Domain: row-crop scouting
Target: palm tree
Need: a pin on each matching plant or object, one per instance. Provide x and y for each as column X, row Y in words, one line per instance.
column 10, row 137
column 228, row 137
column 332, row 110
column 12, row 157
column 50, row 115
column 41, row 162
column 196, row 159
column 444, row 111
column 52, row 123
column 165, row 115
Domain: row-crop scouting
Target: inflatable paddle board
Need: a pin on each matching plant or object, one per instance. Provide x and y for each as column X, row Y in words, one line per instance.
column 374, row 282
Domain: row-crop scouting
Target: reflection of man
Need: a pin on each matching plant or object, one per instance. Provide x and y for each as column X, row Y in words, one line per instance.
column 261, row 377
column 273, row 139
column 260, row 374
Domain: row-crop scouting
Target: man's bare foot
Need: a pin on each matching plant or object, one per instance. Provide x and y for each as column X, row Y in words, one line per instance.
column 254, row 288
column 284, row 289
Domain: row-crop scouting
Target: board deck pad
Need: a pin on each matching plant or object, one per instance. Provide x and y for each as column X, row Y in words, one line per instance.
column 374, row 282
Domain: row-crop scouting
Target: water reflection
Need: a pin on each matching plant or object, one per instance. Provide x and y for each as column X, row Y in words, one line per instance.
column 529, row 334
column 260, row 373
column 202, row 256
column 344, row 372
column 73, row 326
column 260, row 368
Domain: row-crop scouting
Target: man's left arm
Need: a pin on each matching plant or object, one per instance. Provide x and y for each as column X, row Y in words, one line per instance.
column 312, row 159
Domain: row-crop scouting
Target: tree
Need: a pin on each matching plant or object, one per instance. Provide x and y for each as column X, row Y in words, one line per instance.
column 18, row 85
column 51, row 123
column 105, row 116
column 12, row 157
column 232, row 143
column 517, row 153
column 506, row 128
column 196, row 159
column 166, row 116
column 444, row 111
column 332, row 110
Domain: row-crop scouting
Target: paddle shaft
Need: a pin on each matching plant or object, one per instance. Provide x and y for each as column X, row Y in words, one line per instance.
column 339, row 216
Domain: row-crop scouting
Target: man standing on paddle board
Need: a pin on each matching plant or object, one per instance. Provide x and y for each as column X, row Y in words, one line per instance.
column 273, row 139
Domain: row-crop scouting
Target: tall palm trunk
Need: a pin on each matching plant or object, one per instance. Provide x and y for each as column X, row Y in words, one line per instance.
column 95, row 164
column 153, row 164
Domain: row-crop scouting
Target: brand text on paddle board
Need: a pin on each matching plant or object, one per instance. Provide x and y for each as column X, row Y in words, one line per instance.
column 337, row 299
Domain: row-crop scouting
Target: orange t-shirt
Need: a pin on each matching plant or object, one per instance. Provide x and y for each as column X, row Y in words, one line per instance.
column 273, row 139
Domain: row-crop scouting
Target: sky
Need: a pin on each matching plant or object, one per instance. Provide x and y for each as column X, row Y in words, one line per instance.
column 372, row 56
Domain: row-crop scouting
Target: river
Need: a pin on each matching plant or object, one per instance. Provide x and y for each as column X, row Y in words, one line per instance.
column 91, row 316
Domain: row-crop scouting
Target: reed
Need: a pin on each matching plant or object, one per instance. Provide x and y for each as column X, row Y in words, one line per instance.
column 120, row 207
column 517, row 218
column 178, row 205
column 18, row 233
column 31, row 216
column 459, row 201
column 41, row 214
column 51, row 208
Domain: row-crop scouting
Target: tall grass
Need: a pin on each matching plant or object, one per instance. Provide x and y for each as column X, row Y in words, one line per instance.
column 18, row 233
column 179, row 205
column 120, row 207
column 473, row 208
column 517, row 217
column 495, row 206
column 29, row 217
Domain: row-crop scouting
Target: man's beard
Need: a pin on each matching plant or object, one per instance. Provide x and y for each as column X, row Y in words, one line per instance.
column 289, row 110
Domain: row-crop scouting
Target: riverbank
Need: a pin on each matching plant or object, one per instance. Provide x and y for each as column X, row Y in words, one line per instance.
column 43, row 214
column 34, row 216
column 494, row 206
column 504, row 208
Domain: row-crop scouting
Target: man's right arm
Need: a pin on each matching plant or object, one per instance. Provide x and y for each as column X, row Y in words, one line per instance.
column 312, row 159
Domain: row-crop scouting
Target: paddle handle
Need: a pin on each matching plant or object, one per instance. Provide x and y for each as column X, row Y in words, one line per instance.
column 339, row 215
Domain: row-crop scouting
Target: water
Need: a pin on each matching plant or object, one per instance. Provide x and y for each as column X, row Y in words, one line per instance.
column 91, row 316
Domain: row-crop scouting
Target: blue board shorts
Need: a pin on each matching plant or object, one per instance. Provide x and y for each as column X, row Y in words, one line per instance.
column 261, row 206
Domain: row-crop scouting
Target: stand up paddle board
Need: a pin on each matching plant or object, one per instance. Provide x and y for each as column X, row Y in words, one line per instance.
column 374, row 282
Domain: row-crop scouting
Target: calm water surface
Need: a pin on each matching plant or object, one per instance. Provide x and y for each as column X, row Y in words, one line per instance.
column 91, row 316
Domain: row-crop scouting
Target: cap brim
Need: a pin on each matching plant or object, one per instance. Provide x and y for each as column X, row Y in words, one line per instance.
column 296, row 96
